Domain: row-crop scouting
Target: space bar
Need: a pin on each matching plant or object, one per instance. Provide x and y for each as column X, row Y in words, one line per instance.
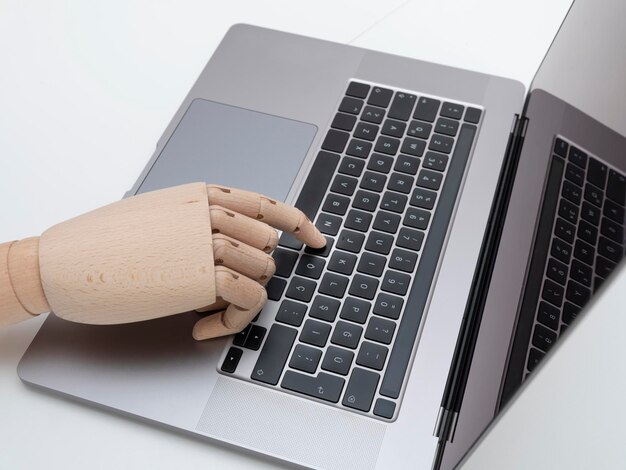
column 416, row 303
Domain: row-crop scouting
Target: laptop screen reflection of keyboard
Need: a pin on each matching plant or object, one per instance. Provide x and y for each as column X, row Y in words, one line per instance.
column 382, row 190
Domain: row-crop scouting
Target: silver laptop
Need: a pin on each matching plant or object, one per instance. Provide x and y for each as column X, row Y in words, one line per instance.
column 468, row 223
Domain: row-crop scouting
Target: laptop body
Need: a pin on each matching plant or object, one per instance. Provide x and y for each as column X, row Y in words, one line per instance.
column 262, row 95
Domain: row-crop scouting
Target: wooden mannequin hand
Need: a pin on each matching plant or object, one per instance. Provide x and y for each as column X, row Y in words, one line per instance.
column 190, row 247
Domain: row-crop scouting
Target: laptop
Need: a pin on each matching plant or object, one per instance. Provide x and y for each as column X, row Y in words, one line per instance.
column 468, row 222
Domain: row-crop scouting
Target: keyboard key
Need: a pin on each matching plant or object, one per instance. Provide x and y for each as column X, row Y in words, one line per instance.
column 584, row 252
column 334, row 285
column 337, row 360
column 305, row 358
column 388, row 305
column 423, row 198
column 359, row 148
column 384, row 408
column 363, row 286
column 373, row 114
column 324, row 308
column 351, row 105
column 561, row 250
column 358, row 220
column 403, row 260
column 564, row 230
column 351, row 166
column 441, row 143
column 548, row 315
column 358, row 90
column 612, row 230
column 315, row 333
column 255, row 337
column 380, row 97
column 426, row 109
column 571, row 192
column 552, row 292
column 310, row 266
column 379, row 242
column 473, row 115
column 274, row 354
column 581, row 272
column 394, row 202
column 387, row 145
column 568, row 211
column 285, row 260
column 240, row 338
column 373, row 181
column 355, row 310
column 419, row 129
column 381, row 163
column 575, row 174
column 335, row 141
column 301, row 289
column 231, row 360
column 557, row 271
column 372, row 355
column 534, row 356
column 577, row 157
column 344, row 122
column 380, row 330
column 435, row 161
column 371, row 264
column 429, row 179
column 616, row 187
column 406, row 164
column 416, row 218
column 610, row 250
column 325, row 386
column 366, row 200
column 543, row 338
column 597, row 173
column 447, row 126
column 402, row 106
column 570, row 311
column 350, row 241
column 328, row 224
column 366, row 131
column 336, row 204
column 323, row 252
column 452, row 110
column 594, row 195
column 361, row 389
column 346, row 334
column 342, row 263
column 401, row 183
column 604, row 267
column 275, row 288
column 291, row 313
column 395, row 282
column 344, row 185
column 560, row 147
column 590, row 213
column 413, row 146
column 393, row 128
column 613, row 211
column 411, row 239
column 587, row 232
column 386, row 221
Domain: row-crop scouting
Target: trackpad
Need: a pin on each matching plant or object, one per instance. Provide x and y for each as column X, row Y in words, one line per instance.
column 231, row 146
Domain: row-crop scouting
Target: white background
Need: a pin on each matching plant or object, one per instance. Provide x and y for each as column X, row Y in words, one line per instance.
column 86, row 88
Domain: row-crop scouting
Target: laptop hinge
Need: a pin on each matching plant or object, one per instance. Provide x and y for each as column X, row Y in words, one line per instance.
column 447, row 419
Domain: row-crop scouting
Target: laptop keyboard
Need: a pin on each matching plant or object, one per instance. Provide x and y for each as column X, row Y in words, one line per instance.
column 341, row 324
column 584, row 203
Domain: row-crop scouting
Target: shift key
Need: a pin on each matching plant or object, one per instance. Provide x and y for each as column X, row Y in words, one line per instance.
column 273, row 357
column 325, row 386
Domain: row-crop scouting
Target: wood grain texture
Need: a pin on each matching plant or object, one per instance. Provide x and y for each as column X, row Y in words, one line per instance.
column 11, row 309
column 140, row 258
column 24, row 271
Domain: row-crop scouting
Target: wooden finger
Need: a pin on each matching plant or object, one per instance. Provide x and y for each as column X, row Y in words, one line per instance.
column 243, row 228
column 246, row 298
column 220, row 304
column 275, row 213
column 243, row 258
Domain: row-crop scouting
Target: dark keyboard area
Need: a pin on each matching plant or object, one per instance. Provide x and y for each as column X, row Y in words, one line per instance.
column 579, row 242
column 382, row 189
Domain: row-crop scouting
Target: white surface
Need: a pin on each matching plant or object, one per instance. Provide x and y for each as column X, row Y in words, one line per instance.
column 86, row 89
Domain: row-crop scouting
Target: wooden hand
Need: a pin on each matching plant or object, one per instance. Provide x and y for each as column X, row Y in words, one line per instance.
column 190, row 247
